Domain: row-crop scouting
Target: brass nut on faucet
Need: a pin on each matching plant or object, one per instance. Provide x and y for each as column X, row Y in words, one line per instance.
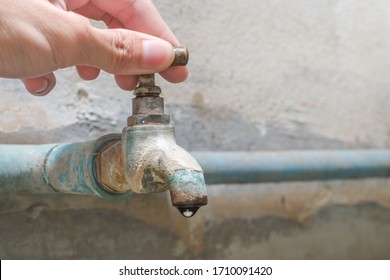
column 181, row 56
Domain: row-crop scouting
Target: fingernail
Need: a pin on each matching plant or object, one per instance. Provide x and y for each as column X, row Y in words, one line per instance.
column 156, row 54
column 42, row 89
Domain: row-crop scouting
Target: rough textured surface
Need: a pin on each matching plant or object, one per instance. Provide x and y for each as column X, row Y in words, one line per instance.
column 146, row 227
column 265, row 75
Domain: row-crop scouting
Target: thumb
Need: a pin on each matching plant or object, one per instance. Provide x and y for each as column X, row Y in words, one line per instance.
column 126, row 52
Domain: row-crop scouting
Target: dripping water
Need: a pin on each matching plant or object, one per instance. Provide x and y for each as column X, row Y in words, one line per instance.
column 188, row 212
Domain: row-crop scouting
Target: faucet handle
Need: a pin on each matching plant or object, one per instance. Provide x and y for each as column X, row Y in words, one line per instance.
column 147, row 99
column 146, row 83
column 181, row 56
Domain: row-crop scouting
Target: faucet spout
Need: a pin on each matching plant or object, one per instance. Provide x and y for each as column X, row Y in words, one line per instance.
column 188, row 191
column 153, row 162
column 146, row 159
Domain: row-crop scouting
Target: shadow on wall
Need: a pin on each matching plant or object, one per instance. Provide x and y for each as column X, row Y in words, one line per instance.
column 198, row 126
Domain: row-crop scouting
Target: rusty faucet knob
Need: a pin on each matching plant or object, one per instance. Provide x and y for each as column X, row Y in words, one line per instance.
column 146, row 84
column 181, row 56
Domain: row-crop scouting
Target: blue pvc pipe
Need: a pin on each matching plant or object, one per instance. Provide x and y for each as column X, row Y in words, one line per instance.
column 63, row 168
column 252, row 167
column 69, row 168
column 22, row 168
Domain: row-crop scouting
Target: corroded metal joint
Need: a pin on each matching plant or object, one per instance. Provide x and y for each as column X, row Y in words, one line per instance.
column 148, row 120
column 146, row 86
column 147, row 100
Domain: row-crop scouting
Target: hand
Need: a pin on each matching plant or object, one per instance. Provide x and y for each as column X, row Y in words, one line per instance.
column 38, row 37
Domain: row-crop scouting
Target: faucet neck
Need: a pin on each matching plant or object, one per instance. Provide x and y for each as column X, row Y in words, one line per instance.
column 148, row 106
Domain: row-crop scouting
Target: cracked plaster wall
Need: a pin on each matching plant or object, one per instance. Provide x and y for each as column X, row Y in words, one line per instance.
column 265, row 75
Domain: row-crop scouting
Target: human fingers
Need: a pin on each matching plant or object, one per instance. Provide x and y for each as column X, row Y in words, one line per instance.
column 175, row 74
column 172, row 74
column 140, row 16
column 59, row 3
column 124, row 52
column 87, row 73
column 126, row 82
column 40, row 86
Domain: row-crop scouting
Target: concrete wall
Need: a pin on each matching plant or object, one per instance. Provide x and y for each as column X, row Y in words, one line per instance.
column 265, row 75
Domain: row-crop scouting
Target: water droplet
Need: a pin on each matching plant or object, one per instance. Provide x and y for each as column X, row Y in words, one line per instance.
column 188, row 212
